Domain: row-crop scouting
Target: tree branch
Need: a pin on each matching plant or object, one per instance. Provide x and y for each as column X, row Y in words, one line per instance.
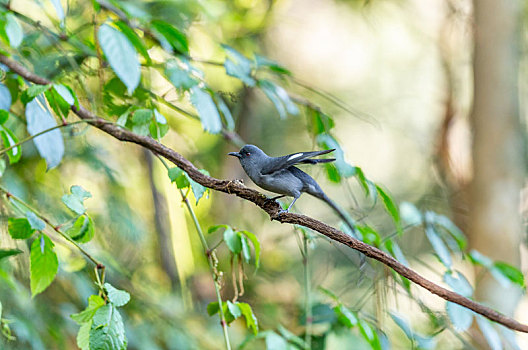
column 271, row 207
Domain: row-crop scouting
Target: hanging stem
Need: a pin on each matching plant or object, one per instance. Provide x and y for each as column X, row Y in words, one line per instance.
column 209, row 254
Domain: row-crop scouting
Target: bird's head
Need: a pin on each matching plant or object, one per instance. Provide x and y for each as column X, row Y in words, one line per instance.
column 249, row 154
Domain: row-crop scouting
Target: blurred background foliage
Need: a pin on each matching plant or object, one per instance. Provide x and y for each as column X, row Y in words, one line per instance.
column 371, row 78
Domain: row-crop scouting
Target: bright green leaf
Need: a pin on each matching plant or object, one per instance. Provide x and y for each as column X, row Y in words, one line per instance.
column 176, row 39
column 82, row 230
column 94, row 303
column 256, row 245
column 33, row 91
column 19, row 228
column 233, row 240
column 391, row 208
column 510, row 272
column 108, row 331
column 135, row 40
column 345, row 316
column 9, row 139
column 251, row 319
column 43, row 264
column 234, row 309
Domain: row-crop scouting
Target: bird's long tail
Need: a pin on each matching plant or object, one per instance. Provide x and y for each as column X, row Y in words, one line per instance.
column 348, row 221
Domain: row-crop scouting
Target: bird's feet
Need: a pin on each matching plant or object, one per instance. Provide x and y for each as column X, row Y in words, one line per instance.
column 282, row 211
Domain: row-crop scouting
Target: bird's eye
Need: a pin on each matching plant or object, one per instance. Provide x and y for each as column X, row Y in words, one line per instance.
column 248, row 154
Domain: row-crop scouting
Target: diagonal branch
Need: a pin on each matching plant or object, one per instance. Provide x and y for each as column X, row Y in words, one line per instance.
column 271, row 207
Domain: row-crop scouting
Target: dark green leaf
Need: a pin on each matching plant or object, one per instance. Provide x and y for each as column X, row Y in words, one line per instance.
column 5, row 253
column 75, row 200
column 176, row 39
column 256, row 245
column 461, row 317
column 116, row 296
column 207, row 110
column 44, row 264
column 121, row 55
column 5, row 99
column 233, row 240
column 141, row 120
column 212, row 308
column 251, row 319
column 19, row 228
column 345, row 316
column 369, row 334
column 49, row 145
column 272, row 65
column 135, row 40
column 82, row 230
column 9, row 139
column 35, row 222
column 33, row 91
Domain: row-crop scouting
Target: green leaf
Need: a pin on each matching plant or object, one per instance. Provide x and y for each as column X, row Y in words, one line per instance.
column 35, row 222
column 108, row 331
column 238, row 66
column 279, row 97
column 49, row 145
column 448, row 226
column 439, row 247
column 461, row 317
column 83, row 336
column 116, row 296
column 197, row 189
column 224, row 109
column 234, row 309
column 5, row 253
column 326, row 141
column 290, row 337
column 423, row 342
column 251, row 319
column 9, row 139
column 369, row 334
column 391, row 208
column 215, row 228
column 510, row 272
column 233, row 240
column 4, row 115
column 176, row 39
column 410, row 214
column 5, row 98
column 65, row 93
column 479, row 259
column 275, row 342
column 179, row 176
column 204, row 104
column 135, row 40
column 75, row 200
column 345, row 316
column 141, row 120
column 256, row 245
column 459, row 284
column 271, row 65
column 396, row 252
column 19, row 228
column 121, row 55
column 2, row 166
column 180, row 77
column 43, row 264
column 13, row 30
column 33, row 91
column 82, row 230
column 368, row 186
column 212, row 308
column 94, row 303
column 246, row 253
column 491, row 335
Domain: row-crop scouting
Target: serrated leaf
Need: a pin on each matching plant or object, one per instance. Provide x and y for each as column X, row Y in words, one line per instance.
column 135, row 40
column 108, row 331
column 5, row 253
column 121, row 55
column 9, row 139
column 179, row 77
column 491, row 335
column 459, row 284
column 35, row 222
column 13, row 30
column 116, row 296
column 233, row 240
column 49, row 145
column 5, row 98
column 439, row 247
column 82, row 230
column 19, row 228
column 176, row 39
column 461, row 317
column 33, row 91
column 256, row 245
column 75, row 200
column 251, row 319
column 204, row 104
column 43, row 264
column 94, row 303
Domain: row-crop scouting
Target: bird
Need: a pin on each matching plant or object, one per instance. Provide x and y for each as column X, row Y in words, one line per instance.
column 279, row 175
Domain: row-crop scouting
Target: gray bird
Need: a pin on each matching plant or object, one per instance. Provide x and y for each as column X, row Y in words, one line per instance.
column 278, row 175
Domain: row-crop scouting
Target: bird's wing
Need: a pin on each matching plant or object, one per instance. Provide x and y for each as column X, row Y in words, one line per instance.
column 280, row 163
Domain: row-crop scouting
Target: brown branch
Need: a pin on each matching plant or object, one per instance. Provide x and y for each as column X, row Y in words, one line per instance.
column 271, row 207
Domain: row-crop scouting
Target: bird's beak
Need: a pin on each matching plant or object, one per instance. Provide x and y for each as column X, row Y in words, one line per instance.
column 234, row 154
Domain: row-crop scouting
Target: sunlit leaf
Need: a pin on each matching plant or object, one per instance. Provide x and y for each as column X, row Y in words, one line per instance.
column 116, row 296
column 94, row 303
column 82, row 230
column 256, row 245
column 108, row 331
column 43, row 264
column 461, row 317
column 5, row 98
column 392, row 209
column 19, row 228
column 410, row 214
column 13, row 30
column 345, row 316
column 176, row 39
column 459, row 284
column 58, row 9
column 75, row 200
column 9, row 139
column 233, row 240
column 510, row 272
column 35, row 222
column 251, row 319
column 370, row 335
column 135, row 40
column 439, row 247
column 121, row 55
column 489, row 332
column 207, row 110
column 238, row 66
column 50, row 145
